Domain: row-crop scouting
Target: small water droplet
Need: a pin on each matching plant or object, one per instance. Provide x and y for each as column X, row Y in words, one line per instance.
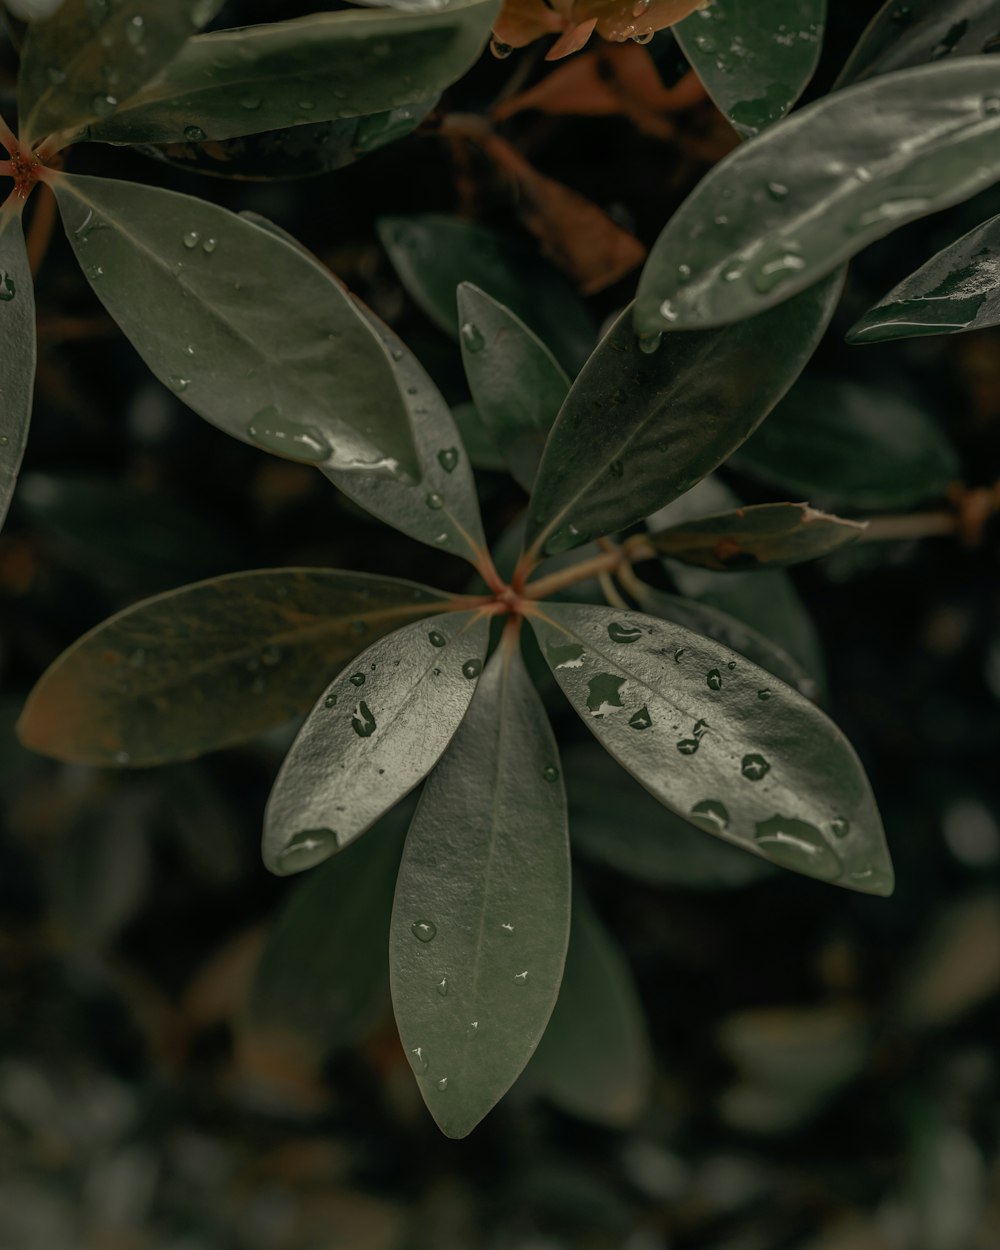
column 363, row 722
column 710, row 814
column 763, row 695
column 688, row 746
column 550, row 772
column 473, row 1027
column 991, row 105
column 307, row 106
column 678, row 655
column 641, row 719
column 442, row 987
column 500, row 50
column 8, row 287
column 424, row 930
column 521, row 978
column 472, row 668
column 731, row 665
column 442, row 1084
column 448, row 459
column 472, row 337
column 250, row 102
column 777, row 191
column 644, row 36
column 714, row 679
column 434, row 501
column 775, row 270
column 194, row 134
column 840, row 827
column 135, row 30
column 684, row 273
column 330, row 701
column 618, row 631
column 754, row 767
column 178, row 384
column 650, row 343
column 103, row 105
column 358, row 679
column 209, row 246
column 191, row 239
column 420, row 1060
column 701, row 728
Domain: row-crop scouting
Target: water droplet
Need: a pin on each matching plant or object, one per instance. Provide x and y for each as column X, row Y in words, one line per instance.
column 840, row 827
column 777, row 191
column 442, row 987
column 434, row 501
column 103, row 105
column 178, row 384
column 194, row 134
column 4, row 440
column 472, row 337
column 135, row 30
column 620, row 632
column 521, row 978
column 8, row 287
column 565, row 655
column 363, row 722
column 754, row 767
column 292, row 439
column 507, row 927
column 550, row 772
column 500, row 50
column 308, row 847
column 641, row 719
column 678, row 655
column 649, row 343
column 668, row 312
column 94, row 271
column 714, row 679
column 640, row 7
column 684, row 273
column 604, row 694
column 731, row 665
column 701, row 728
column 799, row 845
column 776, row 269
column 644, row 36
column 991, row 105
column 688, row 746
column 442, row 1084
column 358, row 679
column 764, row 695
column 436, row 639
column 424, row 930
column 420, row 1060
column 616, row 468
column 209, row 246
column 250, row 102
column 472, row 668
column 330, row 701
column 448, row 459
column 473, row 1027
column 307, row 106
column 710, row 814
column 191, row 239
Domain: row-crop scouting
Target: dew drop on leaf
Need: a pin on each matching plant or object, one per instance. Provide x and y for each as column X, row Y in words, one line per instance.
column 436, row 639
column 565, row 655
column 306, row 844
column 358, row 679
column 292, row 439
column 330, row 701
column 710, row 814
column 763, row 695
column 472, row 337
column 550, row 772
column 500, row 50
column 419, row 1059
column 472, row 668
column 448, row 459
column 650, row 343
column 714, row 679
column 194, row 134
column 799, row 845
column 442, row 987
column 619, row 632
column 135, row 30
column 775, row 270
column 424, row 930
column 363, row 722
column 191, row 238
column 507, row 927
column 688, row 746
column 8, row 287
column 840, row 827
column 604, row 694
column 641, row 719
column 442, row 1084
column 521, row 978
column 434, row 501
column 754, row 767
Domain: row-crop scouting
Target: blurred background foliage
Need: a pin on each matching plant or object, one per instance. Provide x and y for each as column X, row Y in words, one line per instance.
column 824, row 1070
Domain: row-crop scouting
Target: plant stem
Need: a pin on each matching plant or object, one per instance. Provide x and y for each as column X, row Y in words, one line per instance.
column 41, row 228
column 916, row 525
column 606, row 562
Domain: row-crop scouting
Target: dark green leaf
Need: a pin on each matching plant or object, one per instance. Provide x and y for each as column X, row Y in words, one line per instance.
column 750, row 538
column 516, row 384
column 638, row 430
column 249, row 332
column 481, row 448
column 17, row 351
column 433, row 254
column 755, row 59
column 212, row 664
column 719, row 741
column 594, row 1059
column 320, row 68
column 797, row 201
column 919, row 31
column 481, row 918
column 851, row 446
column 375, row 733
column 87, row 59
column 958, row 289
column 32, row 10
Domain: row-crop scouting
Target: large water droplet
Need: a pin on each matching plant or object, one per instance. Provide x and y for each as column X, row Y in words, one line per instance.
column 358, row 679
column 472, row 337
column 363, row 722
column 424, row 930
column 500, row 50
column 650, row 343
column 774, row 270
column 604, row 694
column 8, row 287
column 292, row 439
column 620, row 632
column 194, row 134
column 472, row 668
column 754, row 767
column 799, row 845
column 840, row 827
column 710, row 814
column 308, row 847
column 564, row 655
column 419, row 1059
column 714, row 679
column 436, row 639
column 688, row 746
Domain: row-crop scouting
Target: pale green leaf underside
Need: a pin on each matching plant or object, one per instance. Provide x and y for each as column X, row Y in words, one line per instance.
column 18, row 353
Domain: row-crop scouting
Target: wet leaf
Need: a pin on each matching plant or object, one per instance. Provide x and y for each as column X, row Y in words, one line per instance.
column 851, row 446
column 843, row 172
column 85, row 61
column 375, row 732
column 719, row 741
column 901, row 36
column 516, row 383
column 320, row 68
column 433, row 254
column 958, row 289
column 481, row 918
column 639, row 429
column 594, row 1059
column 18, row 354
column 248, row 332
column 211, row 664
column 755, row 60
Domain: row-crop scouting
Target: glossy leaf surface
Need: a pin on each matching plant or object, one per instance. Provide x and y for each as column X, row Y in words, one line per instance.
column 211, row 664
column 516, row 383
column 482, row 912
column 958, row 289
column 843, row 172
column 433, row 254
column 248, row 331
column 920, row 31
column 594, row 1059
column 18, row 353
column 639, row 429
column 320, row 68
column 720, row 742
column 375, row 732
column 85, row 61
column 755, row 59
column 852, row 446
column 756, row 537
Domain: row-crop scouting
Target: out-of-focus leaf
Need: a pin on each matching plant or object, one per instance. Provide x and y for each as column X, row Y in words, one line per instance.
column 719, row 741
column 482, row 451
column 851, row 446
column 638, row 430
column 811, row 193
column 211, row 664
column 755, row 60
column 481, row 918
column 947, row 1182
column 958, row 289
column 901, row 36
column 32, row 10
column 320, row 68
column 516, row 383
column 594, row 1059
column 375, row 733
column 433, row 254
column 248, row 332
column 957, row 966
column 17, row 353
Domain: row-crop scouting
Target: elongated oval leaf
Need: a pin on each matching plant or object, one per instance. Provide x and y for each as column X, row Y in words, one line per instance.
column 320, row 68
column 516, row 383
column 211, row 664
column 755, row 59
column 638, row 430
column 852, row 446
column 814, row 191
column 376, row 732
column 765, row 535
column 247, row 331
column 18, row 352
column 87, row 59
column 594, row 1059
column 958, row 289
column 920, row 31
column 481, row 918
column 720, row 742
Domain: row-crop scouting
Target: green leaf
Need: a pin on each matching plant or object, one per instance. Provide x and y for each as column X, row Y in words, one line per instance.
column 516, row 383
column 250, row 333
column 376, row 732
column 18, row 354
column 482, row 450
column 852, row 446
column 320, row 68
column 87, row 59
column 750, row 538
column 594, row 1059
column 719, row 741
column 754, row 59
column 482, row 912
column 958, row 289
column 921, row 31
column 639, row 429
column 211, row 664
column 433, row 254
column 790, row 206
